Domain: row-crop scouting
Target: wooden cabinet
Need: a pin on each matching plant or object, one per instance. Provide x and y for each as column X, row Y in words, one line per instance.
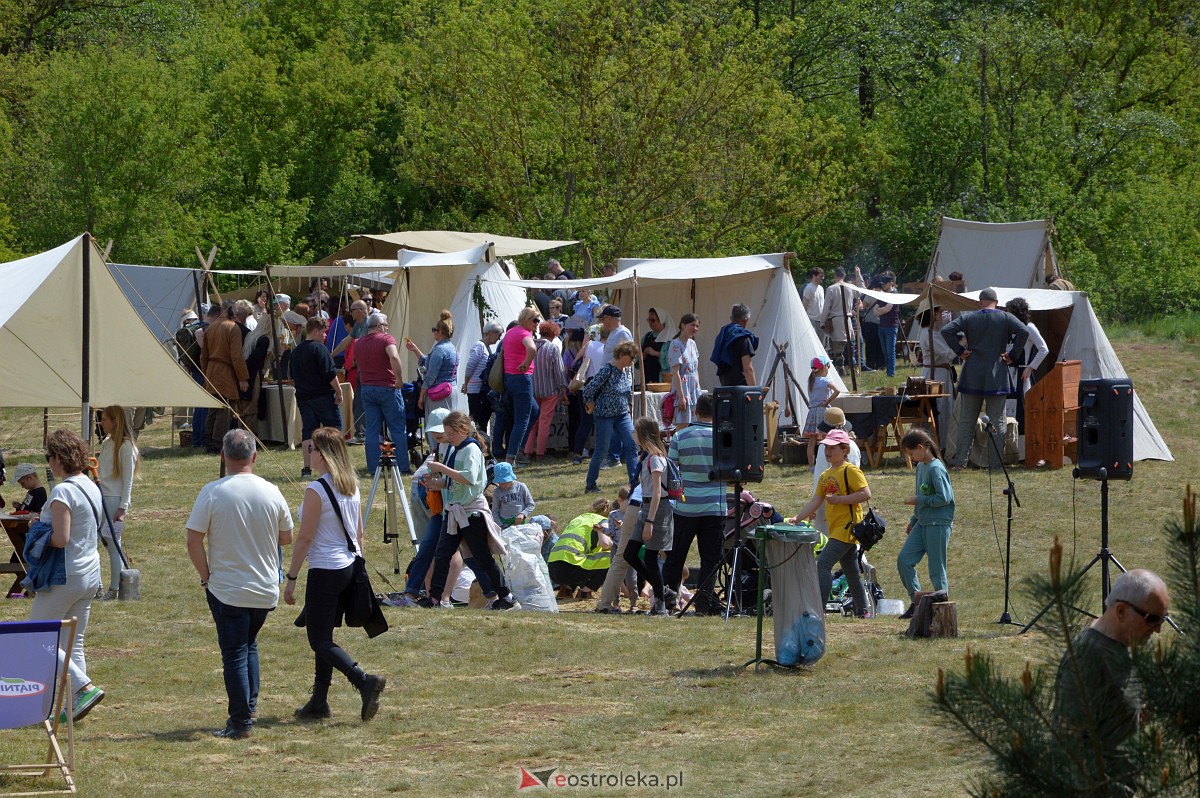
column 1050, row 411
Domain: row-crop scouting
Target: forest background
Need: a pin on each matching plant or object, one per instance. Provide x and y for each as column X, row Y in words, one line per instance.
column 839, row 131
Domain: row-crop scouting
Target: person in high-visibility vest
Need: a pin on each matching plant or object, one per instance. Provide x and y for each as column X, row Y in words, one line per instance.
column 581, row 557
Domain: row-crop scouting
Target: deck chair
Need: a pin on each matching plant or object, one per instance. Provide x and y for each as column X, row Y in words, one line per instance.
column 32, row 691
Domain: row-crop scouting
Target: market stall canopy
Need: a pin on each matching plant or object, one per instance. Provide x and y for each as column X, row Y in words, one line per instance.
column 385, row 245
column 709, row 287
column 160, row 294
column 51, row 359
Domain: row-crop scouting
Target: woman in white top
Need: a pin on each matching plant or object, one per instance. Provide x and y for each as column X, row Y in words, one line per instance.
column 330, row 538
column 116, row 467
column 1035, row 352
column 73, row 510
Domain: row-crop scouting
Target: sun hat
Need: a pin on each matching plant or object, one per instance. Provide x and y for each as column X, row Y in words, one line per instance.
column 24, row 470
column 543, row 521
column 835, row 437
column 436, row 419
column 190, row 315
column 282, row 299
column 504, row 473
column 834, row 417
column 819, row 362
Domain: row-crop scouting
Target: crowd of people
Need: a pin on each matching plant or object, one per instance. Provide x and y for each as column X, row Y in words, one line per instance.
column 567, row 348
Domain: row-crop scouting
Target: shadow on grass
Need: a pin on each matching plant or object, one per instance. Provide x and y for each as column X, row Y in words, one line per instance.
column 726, row 671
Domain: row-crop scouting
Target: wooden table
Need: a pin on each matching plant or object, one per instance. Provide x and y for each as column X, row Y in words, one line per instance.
column 15, row 526
column 910, row 411
column 879, row 420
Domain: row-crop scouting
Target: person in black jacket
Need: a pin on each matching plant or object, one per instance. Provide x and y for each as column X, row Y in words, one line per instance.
column 318, row 392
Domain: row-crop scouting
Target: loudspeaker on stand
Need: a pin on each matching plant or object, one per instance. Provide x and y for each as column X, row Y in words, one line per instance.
column 738, row 426
column 1105, row 429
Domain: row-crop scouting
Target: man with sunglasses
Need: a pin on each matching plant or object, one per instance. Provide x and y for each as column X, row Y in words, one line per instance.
column 1097, row 693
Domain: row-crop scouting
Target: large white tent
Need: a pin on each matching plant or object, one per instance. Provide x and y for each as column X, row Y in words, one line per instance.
column 1015, row 258
column 709, row 287
column 1016, row 254
column 473, row 283
column 69, row 337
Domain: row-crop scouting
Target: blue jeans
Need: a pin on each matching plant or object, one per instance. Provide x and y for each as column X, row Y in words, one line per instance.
column 385, row 405
column 525, row 410
column 320, row 411
column 586, row 424
column 887, row 340
column 199, row 417
column 622, row 427
column 237, row 635
column 419, row 568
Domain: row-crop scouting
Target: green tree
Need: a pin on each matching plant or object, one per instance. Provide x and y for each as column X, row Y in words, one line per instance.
column 642, row 129
column 1013, row 720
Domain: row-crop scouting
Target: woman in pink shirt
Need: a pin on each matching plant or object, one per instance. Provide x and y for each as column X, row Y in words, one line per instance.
column 519, row 351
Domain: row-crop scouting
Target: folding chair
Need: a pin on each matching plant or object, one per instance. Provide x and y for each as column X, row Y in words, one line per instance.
column 32, row 691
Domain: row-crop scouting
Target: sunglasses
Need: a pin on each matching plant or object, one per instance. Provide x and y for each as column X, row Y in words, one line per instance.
column 1151, row 619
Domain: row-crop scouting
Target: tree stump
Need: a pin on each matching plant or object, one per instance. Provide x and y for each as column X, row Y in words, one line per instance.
column 945, row 620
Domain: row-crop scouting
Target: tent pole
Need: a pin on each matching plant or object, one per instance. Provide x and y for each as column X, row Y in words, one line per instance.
column 850, row 343
column 85, row 382
column 278, row 361
column 637, row 338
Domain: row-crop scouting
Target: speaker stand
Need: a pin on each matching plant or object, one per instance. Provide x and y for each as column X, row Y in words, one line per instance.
column 1104, row 556
column 1011, row 492
column 739, row 549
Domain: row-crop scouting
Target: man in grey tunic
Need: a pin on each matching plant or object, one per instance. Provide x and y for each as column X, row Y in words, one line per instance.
column 990, row 336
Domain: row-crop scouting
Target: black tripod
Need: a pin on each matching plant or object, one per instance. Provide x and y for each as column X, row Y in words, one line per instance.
column 1011, row 492
column 731, row 560
column 1104, row 556
column 388, row 471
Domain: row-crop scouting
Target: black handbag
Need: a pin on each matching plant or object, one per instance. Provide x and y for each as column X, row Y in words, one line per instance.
column 359, row 605
column 871, row 528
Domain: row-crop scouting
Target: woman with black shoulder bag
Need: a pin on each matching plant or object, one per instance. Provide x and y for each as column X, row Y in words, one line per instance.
column 331, row 508
column 843, row 489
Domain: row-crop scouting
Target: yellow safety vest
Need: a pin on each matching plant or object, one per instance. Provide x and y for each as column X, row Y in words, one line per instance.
column 574, row 545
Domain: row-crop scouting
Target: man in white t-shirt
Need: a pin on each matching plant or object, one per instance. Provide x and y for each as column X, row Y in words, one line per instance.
column 246, row 521
column 813, row 297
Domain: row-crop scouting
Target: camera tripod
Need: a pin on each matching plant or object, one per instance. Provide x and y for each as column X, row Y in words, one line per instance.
column 388, row 472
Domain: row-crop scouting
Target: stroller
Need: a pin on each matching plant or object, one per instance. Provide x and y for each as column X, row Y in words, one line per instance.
column 839, row 598
column 743, row 516
column 413, row 423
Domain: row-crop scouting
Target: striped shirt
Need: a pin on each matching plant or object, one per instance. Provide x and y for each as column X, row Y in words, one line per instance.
column 475, row 363
column 548, row 376
column 692, row 448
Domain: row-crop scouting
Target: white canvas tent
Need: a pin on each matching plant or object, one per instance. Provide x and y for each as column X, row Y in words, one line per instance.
column 426, row 282
column 69, row 337
column 709, row 287
column 1015, row 259
column 1017, row 254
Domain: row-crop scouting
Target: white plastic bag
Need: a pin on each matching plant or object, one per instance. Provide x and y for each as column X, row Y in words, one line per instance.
column 524, row 569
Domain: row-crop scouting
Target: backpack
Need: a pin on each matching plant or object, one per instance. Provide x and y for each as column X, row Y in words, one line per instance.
column 187, row 347
column 494, row 369
column 673, row 481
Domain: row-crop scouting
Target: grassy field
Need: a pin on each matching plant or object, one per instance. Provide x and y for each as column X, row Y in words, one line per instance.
column 473, row 697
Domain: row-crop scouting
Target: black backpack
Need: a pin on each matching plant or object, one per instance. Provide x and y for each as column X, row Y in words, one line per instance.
column 187, row 346
column 491, row 361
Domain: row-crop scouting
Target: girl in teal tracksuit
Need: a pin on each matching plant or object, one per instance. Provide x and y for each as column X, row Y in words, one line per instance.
column 928, row 531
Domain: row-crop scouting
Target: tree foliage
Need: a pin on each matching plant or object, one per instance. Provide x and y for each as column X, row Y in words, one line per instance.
column 1032, row 753
column 842, row 131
